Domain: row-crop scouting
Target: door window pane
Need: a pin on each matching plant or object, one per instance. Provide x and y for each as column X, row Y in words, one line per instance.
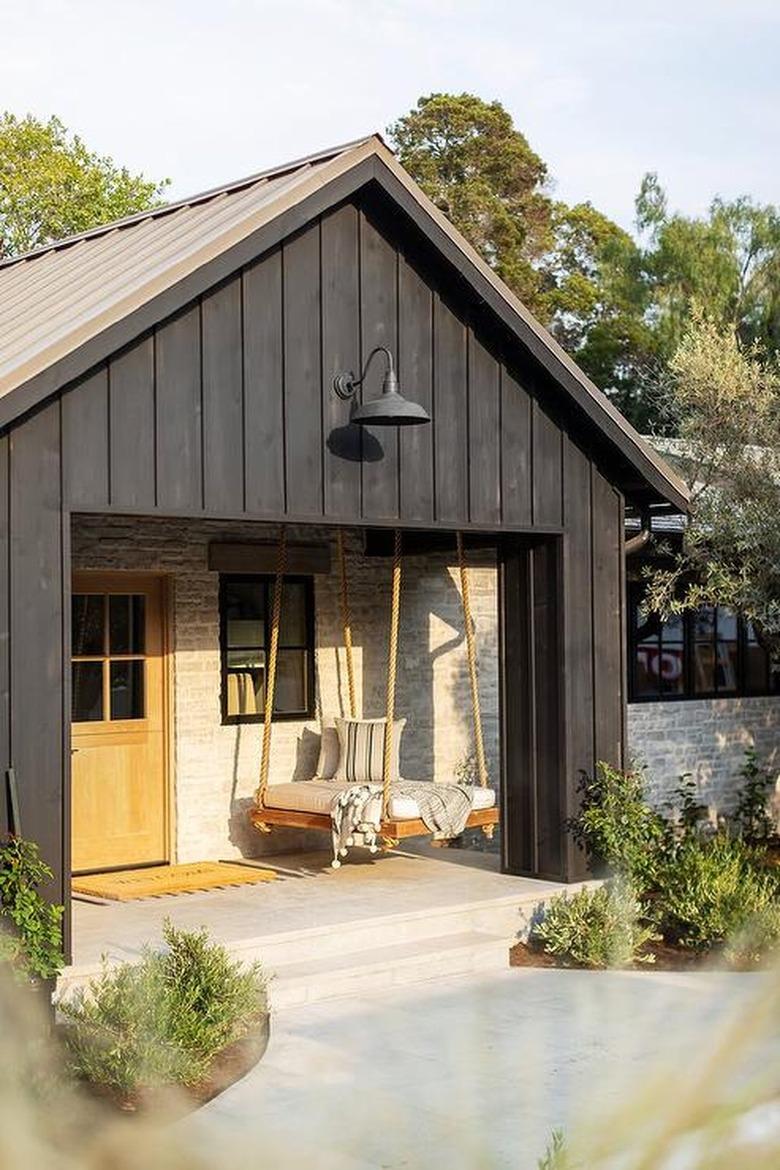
column 87, row 692
column 126, row 680
column 126, row 624
column 88, row 620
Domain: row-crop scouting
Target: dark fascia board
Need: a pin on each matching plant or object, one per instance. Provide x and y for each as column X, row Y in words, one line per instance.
column 448, row 243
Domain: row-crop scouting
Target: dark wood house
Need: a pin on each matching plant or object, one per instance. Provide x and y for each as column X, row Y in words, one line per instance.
column 174, row 373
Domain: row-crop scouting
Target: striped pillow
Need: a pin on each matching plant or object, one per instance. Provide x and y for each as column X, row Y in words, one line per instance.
column 362, row 744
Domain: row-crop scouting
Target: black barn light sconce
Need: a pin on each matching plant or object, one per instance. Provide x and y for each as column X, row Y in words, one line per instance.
column 391, row 409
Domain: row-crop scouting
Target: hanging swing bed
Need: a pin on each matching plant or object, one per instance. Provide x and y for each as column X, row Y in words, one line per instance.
column 389, row 810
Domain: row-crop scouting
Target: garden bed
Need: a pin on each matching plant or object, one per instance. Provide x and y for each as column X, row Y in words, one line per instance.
column 665, row 958
column 229, row 1066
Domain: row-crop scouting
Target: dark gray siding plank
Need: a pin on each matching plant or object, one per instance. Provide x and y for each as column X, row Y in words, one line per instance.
column 547, row 468
column 515, row 453
column 223, row 406
column 303, row 373
column 340, row 353
column 548, row 732
column 132, row 426
column 415, row 371
column 263, row 386
column 179, row 412
column 36, row 587
column 517, row 707
column 85, row 443
column 578, row 589
column 379, row 326
column 607, row 621
column 484, row 415
column 5, row 641
column 450, row 417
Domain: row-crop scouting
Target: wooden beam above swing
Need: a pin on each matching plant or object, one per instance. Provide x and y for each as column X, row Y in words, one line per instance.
column 261, row 556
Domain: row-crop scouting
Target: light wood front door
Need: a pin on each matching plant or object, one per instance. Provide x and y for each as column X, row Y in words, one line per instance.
column 118, row 798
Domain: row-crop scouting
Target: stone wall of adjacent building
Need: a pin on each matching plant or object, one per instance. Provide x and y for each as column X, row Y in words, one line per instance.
column 216, row 765
column 706, row 738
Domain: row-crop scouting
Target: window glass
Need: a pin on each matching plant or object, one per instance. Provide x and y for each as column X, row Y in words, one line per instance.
column 126, row 624
column 87, row 692
column 246, row 624
column 88, row 620
column 727, row 652
column 126, row 681
column 671, row 663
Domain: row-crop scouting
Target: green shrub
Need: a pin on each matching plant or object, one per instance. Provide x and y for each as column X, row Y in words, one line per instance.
column 30, row 927
column 618, row 827
column 708, row 891
column 750, row 816
column 163, row 1020
column 757, row 941
column 599, row 927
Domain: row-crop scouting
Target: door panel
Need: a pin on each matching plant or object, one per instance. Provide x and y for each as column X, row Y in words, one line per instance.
column 118, row 725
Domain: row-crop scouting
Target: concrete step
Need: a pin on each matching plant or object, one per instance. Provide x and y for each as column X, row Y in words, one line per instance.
column 378, row 969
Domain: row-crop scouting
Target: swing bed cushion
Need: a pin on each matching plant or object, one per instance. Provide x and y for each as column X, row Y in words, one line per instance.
column 317, row 796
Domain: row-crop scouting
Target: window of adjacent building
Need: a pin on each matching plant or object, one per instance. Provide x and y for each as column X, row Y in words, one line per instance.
column 703, row 654
column 246, row 606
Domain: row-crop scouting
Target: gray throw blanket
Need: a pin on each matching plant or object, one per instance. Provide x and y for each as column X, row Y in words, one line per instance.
column 356, row 812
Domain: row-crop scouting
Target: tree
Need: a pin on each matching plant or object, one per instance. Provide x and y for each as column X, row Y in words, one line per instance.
column 576, row 270
column 53, row 186
column 481, row 172
column 725, row 402
column 728, row 260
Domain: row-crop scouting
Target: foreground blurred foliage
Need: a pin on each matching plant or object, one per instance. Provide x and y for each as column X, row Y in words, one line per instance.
column 163, row 1020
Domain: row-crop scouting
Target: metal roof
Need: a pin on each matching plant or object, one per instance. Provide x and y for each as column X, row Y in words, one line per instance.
column 57, row 299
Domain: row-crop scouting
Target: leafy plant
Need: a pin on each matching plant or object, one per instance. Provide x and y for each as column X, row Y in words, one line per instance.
column 599, row 927
column 710, row 891
column 556, row 1156
column 163, row 1020
column 30, row 927
column 618, row 827
column 750, row 816
column 757, row 940
column 688, row 809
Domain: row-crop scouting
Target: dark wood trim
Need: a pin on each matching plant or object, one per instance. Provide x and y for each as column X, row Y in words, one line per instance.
column 260, row 557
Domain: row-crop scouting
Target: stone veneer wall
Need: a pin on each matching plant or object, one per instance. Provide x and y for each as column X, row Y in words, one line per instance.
column 706, row 737
column 216, row 766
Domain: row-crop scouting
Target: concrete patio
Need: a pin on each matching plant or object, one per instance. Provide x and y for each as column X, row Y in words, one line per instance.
column 466, row 1073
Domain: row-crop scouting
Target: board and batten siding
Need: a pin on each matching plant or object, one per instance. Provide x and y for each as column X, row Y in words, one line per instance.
column 226, row 410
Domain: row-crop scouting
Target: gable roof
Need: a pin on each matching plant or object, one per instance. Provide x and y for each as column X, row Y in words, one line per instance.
column 66, row 306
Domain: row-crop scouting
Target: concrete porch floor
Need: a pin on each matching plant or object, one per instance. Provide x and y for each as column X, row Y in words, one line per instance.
column 308, row 896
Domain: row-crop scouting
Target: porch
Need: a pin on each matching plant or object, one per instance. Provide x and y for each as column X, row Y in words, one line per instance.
column 411, row 916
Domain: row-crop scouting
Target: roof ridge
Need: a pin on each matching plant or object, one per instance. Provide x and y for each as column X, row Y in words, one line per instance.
column 276, row 172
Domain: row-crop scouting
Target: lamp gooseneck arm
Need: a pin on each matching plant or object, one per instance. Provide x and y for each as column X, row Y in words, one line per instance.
column 345, row 385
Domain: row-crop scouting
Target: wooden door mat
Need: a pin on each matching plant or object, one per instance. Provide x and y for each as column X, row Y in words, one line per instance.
column 157, row 880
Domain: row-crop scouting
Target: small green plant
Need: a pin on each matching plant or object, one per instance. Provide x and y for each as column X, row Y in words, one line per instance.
column 710, row 891
column 687, row 809
column 163, row 1020
column 600, row 927
column 618, row 827
column 751, row 817
column 30, row 927
column 556, row 1156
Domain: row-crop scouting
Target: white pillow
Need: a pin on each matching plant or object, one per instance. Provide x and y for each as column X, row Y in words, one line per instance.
column 330, row 751
column 361, row 743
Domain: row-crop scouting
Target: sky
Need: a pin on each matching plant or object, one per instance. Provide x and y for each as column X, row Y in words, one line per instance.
column 205, row 91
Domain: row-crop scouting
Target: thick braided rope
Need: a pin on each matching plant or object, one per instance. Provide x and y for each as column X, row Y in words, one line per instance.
column 472, row 659
column 273, row 653
column 392, row 668
column 346, row 621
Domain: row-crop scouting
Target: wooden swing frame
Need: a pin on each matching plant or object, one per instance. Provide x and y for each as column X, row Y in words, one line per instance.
column 391, row 830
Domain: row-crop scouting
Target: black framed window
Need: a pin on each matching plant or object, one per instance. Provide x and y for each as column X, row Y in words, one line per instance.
column 707, row 653
column 245, row 608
